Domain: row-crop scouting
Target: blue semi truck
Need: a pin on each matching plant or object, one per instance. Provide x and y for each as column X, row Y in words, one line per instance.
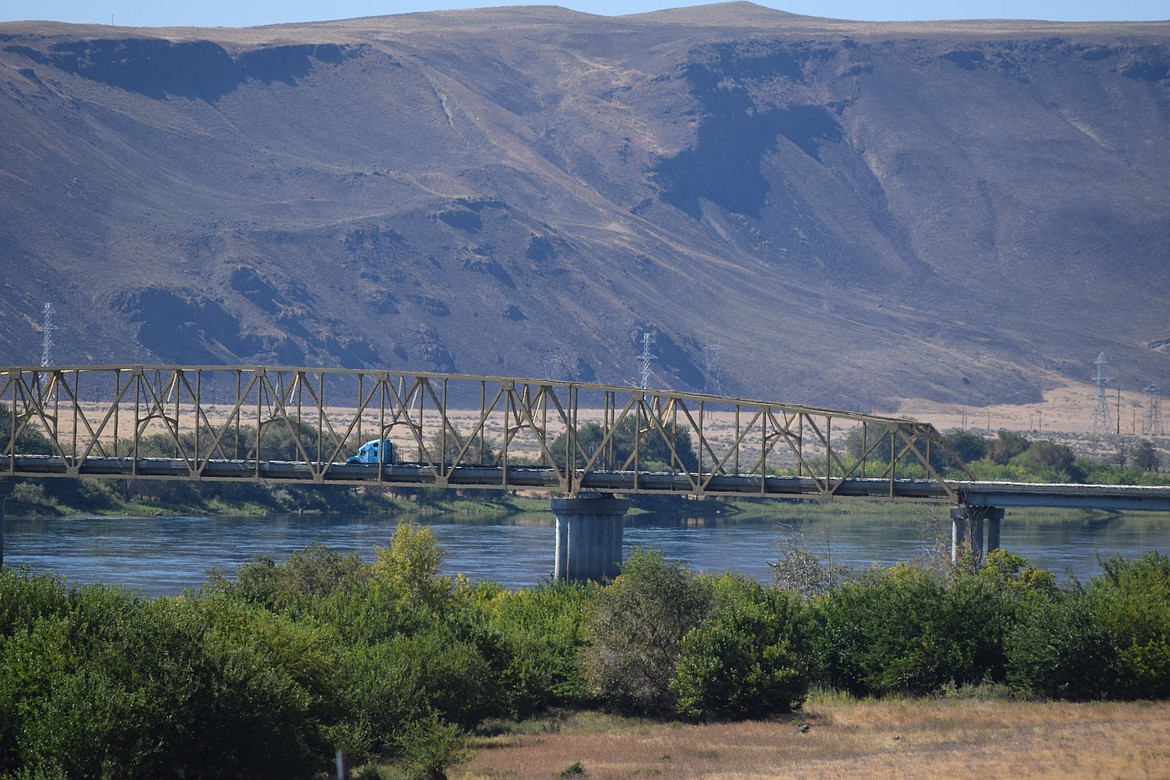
column 374, row 452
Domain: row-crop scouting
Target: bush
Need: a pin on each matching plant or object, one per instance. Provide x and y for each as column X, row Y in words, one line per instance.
column 1132, row 598
column 102, row 683
column 410, row 567
column 390, row 687
column 1061, row 649
column 636, row 630
column 905, row 631
column 747, row 660
column 543, row 631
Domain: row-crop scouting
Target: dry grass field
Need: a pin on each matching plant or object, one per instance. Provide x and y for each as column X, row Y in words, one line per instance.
column 855, row 739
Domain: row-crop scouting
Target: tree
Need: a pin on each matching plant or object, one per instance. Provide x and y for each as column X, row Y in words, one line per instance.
column 29, row 441
column 748, row 659
column 1146, row 457
column 636, row 630
column 1060, row 648
column 1132, row 600
column 967, row 445
column 1054, row 462
column 904, row 630
column 410, row 566
column 807, row 574
column 1005, row 446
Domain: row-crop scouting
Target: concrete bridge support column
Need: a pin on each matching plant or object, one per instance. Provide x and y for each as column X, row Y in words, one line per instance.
column 970, row 521
column 589, row 537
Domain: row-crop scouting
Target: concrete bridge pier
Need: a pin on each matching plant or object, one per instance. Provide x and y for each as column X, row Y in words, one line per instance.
column 589, row 536
column 970, row 521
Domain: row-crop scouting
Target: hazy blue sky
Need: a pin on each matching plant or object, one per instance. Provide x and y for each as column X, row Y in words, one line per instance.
column 229, row 13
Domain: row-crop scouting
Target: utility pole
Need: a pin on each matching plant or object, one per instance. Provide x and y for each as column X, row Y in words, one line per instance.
column 1119, row 410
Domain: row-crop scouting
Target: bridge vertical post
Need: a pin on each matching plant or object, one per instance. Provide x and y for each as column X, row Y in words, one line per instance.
column 5, row 492
column 589, row 537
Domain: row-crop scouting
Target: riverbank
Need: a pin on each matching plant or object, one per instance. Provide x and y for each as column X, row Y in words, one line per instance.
column 949, row 737
column 97, row 498
column 156, row 498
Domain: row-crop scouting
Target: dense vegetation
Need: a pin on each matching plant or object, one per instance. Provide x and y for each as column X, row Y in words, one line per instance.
column 269, row 671
column 1011, row 456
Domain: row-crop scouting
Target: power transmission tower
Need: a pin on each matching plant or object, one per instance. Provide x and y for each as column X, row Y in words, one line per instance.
column 47, row 328
column 1099, row 422
column 646, row 357
column 714, row 374
column 1152, row 425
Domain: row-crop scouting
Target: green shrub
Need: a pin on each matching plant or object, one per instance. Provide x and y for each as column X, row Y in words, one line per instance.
column 1061, row 649
column 429, row 746
column 106, row 684
column 543, row 633
column 25, row 597
column 1132, row 598
column 636, row 629
column 749, row 659
column 905, row 631
column 388, row 687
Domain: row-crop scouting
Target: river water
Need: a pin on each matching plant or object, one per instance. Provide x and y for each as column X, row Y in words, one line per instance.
column 165, row 556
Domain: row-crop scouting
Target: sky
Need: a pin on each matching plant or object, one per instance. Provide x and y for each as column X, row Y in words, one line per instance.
column 245, row 13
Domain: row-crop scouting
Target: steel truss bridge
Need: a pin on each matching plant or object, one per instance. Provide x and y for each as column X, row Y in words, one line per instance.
column 299, row 425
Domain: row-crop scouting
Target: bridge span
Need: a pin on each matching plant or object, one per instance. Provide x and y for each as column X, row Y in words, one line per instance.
column 569, row 439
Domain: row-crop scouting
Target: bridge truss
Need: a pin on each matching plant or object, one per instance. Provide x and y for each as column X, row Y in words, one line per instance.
column 300, row 424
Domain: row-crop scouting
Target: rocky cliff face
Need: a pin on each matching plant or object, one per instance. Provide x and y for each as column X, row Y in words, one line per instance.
column 851, row 212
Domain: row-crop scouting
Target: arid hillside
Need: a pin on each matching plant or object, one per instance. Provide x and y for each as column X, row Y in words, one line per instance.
column 828, row 212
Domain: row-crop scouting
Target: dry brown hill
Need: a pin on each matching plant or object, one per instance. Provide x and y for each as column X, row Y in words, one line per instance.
column 853, row 212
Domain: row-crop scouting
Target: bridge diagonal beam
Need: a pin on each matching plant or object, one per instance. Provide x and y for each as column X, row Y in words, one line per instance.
column 657, row 423
column 79, row 416
column 524, row 408
column 324, row 424
column 270, row 412
column 233, row 422
column 110, row 415
column 404, row 397
column 720, row 464
column 33, row 402
column 916, row 434
column 774, row 432
column 479, row 428
column 825, row 481
column 606, row 445
column 156, row 399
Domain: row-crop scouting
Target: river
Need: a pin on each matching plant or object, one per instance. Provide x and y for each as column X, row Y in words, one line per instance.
column 165, row 556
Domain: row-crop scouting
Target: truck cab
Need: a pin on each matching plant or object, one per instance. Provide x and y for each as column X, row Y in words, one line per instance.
column 374, row 452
